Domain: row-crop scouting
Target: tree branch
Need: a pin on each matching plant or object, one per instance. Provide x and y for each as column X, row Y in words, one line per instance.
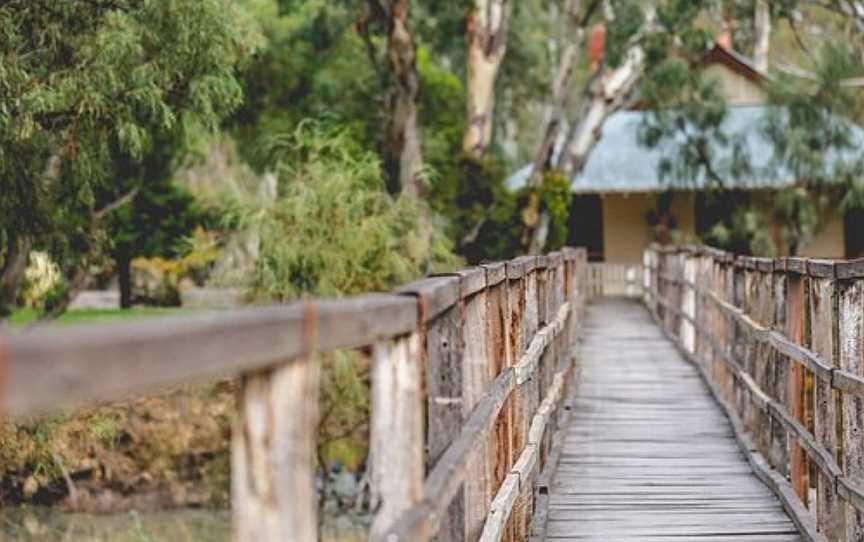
column 98, row 215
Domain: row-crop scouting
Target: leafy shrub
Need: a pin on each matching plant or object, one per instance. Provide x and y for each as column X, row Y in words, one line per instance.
column 334, row 229
column 41, row 278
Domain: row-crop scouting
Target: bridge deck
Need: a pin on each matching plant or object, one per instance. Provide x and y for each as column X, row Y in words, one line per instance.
column 648, row 455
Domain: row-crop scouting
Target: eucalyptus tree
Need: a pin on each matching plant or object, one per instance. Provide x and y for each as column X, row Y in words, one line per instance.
column 487, row 27
column 86, row 88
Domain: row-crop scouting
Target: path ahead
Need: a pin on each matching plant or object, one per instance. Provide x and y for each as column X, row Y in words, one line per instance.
column 648, row 455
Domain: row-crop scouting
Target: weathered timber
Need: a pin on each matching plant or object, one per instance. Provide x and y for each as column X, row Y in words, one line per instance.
column 648, row 456
column 808, row 384
column 445, row 346
column 795, row 328
column 82, row 363
column 851, row 360
column 829, row 515
column 273, row 455
column 476, row 379
column 396, row 435
column 468, row 373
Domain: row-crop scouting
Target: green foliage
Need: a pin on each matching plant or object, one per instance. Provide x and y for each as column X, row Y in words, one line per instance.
column 629, row 18
column 555, row 197
column 501, row 215
column 97, row 98
column 334, row 229
column 746, row 230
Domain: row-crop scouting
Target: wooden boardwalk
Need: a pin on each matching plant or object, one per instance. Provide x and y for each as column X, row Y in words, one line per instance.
column 648, row 454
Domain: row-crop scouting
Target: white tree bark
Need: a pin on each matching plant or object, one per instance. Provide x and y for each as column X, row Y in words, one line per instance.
column 487, row 43
column 608, row 96
column 762, row 26
column 604, row 94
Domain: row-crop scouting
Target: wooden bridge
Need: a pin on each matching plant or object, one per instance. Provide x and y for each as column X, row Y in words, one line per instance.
column 722, row 401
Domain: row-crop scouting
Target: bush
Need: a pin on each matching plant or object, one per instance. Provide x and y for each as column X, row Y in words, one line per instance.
column 334, row 229
column 41, row 278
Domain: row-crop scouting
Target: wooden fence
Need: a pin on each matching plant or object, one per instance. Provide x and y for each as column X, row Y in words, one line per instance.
column 781, row 344
column 469, row 372
column 615, row 279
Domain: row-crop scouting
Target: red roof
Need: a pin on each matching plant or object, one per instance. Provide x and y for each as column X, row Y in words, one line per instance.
column 734, row 61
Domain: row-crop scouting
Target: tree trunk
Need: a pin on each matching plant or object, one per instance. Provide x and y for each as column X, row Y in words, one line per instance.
column 12, row 272
column 603, row 97
column 487, row 43
column 762, row 26
column 403, row 156
column 604, row 94
column 537, row 231
column 124, row 278
column 76, row 284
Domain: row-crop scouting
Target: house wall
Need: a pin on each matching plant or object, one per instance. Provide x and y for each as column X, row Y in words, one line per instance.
column 830, row 242
column 626, row 232
column 737, row 89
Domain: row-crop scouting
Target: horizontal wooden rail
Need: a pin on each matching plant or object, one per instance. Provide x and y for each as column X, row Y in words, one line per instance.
column 60, row 365
column 469, row 370
column 759, row 330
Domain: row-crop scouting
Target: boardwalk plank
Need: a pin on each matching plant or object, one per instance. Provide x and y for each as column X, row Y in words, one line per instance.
column 648, row 455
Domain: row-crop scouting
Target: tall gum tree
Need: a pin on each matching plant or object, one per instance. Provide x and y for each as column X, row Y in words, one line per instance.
column 605, row 92
column 403, row 156
column 486, row 33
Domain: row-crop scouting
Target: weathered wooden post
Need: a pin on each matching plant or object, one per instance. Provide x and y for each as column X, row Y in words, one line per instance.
column 516, row 285
column 500, row 358
column 779, row 391
column 396, row 432
column 526, row 392
column 851, row 360
column 704, row 311
column 688, row 301
column 440, row 314
column 823, row 324
column 475, row 381
column 273, row 449
column 796, row 301
column 739, row 341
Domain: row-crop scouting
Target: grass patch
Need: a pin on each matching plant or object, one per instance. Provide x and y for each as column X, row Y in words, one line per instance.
column 27, row 315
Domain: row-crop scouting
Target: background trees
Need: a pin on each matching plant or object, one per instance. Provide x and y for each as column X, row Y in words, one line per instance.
column 92, row 93
column 101, row 102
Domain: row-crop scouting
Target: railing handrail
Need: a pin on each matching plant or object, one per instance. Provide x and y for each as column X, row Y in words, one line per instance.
column 725, row 312
column 483, row 335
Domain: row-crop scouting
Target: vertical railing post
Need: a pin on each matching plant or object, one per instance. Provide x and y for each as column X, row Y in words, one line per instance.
column 795, row 330
column 740, row 340
column 851, row 359
column 396, row 428
column 648, row 277
column 823, row 323
column 526, row 393
column 440, row 320
column 475, row 381
column 688, row 302
column 273, row 450
column 516, row 300
column 500, row 358
column 779, row 391
column 764, row 360
column 728, row 270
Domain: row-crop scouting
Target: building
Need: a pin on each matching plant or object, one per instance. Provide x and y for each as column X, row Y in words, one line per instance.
column 617, row 193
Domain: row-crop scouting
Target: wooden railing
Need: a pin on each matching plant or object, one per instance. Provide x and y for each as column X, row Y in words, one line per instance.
column 469, row 372
column 780, row 342
column 614, row 279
